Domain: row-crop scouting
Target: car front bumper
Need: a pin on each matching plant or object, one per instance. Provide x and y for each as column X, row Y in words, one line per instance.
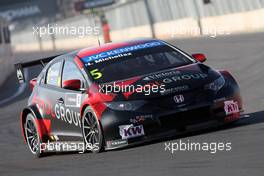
column 159, row 124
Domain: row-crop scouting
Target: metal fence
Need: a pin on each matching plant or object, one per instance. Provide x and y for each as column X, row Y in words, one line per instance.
column 134, row 13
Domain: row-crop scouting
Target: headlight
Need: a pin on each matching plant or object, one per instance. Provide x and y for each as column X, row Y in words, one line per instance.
column 216, row 85
column 125, row 106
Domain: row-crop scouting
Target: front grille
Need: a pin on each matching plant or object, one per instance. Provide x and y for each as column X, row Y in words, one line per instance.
column 186, row 118
column 190, row 98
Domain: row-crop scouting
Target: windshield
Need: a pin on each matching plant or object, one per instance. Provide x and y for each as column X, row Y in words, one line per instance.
column 135, row 63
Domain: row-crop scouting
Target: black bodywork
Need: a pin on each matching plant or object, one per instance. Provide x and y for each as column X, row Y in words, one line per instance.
column 186, row 104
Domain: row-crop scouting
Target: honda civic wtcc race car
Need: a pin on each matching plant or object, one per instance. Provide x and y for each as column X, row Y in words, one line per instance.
column 120, row 94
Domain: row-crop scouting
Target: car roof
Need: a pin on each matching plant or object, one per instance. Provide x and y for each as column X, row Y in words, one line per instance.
column 102, row 48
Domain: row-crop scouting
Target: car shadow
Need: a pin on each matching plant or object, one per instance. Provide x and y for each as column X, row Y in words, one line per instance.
column 254, row 118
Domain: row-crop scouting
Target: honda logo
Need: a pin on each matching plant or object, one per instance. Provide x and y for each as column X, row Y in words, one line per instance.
column 178, row 99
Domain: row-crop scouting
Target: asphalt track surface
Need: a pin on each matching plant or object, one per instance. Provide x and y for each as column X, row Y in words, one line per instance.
column 243, row 55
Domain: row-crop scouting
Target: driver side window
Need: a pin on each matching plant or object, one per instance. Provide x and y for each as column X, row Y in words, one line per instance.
column 70, row 72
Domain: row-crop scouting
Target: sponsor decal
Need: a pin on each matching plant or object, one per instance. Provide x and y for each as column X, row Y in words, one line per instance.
column 161, row 75
column 116, row 143
column 96, row 74
column 45, row 108
column 118, row 51
column 60, row 112
column 20, row 76
column 178, row 99
column 109, row 58
column 131, row 131
column 141, row 118
column 175, row 90
column 73, row 100
column 185, row 77
column 231, row 107
column 67, row 115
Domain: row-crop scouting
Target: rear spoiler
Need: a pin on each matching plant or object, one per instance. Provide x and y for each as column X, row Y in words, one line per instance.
column 20, row 66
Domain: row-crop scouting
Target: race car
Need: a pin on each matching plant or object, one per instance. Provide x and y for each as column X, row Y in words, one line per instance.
column 121, row 94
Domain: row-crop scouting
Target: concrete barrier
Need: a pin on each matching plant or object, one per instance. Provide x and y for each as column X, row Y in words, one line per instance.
column 182, row 28
column 131, row 33
column 250, row 21
column 6, row 62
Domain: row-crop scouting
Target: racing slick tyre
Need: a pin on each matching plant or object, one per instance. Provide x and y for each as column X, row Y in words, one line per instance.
column 32, row 135
column 92, row 131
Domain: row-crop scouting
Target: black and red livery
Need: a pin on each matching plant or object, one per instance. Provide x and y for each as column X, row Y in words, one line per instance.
column 70, row 100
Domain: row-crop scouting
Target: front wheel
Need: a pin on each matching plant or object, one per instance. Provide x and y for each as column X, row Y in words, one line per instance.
column 32, row 135
column 92, row 132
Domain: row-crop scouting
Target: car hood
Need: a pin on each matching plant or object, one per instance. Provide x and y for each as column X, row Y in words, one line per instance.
column 180, row 80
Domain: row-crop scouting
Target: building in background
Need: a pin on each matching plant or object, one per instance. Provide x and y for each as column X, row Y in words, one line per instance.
column 163, row 19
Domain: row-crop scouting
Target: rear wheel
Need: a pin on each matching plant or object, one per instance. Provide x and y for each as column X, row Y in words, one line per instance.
column 32, row 135
column 92, row 132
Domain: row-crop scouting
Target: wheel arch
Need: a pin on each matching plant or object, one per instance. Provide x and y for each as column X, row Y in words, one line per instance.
column 234, row 85
column 229, row 77
column 23, row 115
column 98, row 114
column 83, row 109
column 86, row 108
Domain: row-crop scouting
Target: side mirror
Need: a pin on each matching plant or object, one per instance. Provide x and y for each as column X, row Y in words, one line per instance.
column 199, row 57
column 73, row 84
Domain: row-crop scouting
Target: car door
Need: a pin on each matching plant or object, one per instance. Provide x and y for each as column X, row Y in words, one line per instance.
column 48, row 98
column 70, row 100
column 60, row 105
